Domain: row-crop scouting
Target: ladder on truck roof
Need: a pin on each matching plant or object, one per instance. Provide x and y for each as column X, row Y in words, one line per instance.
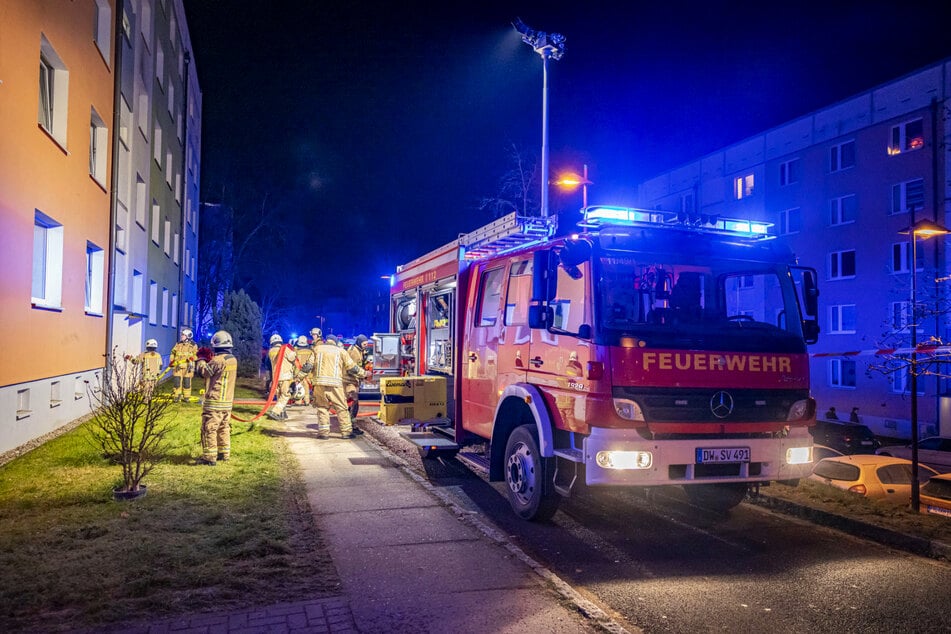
column 505, row 234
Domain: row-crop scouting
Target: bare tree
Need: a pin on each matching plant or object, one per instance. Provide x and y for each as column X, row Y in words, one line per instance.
column 518, row 187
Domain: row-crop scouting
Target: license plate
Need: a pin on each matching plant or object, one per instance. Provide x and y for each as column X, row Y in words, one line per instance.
column 866, row 442
column 723, row 454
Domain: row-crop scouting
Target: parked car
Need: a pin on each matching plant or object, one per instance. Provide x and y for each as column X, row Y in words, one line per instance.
column 876, row 477
column 934, row 452
column 935, row 495
column 849, row 438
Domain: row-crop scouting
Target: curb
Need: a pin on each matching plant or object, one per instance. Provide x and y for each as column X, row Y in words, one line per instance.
column 887, row 537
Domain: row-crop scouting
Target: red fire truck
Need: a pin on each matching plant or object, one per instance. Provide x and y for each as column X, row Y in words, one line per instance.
column 643, row 350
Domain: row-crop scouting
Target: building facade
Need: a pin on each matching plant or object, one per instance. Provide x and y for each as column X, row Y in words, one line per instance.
column 840, row 185
column 84, row 183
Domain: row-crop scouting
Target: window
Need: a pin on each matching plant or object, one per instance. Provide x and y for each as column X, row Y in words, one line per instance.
column 176, row 244
column 168, row 236
column 157, row 145
column 842, row 156
column 171, row 99
column 519, row 294
column 686, row 203
column 140, row 201
column 156, row 219
column 102, row 27
column 47, row 290
column 490, row 293
column 125, row 123
column 901, row 257
column 160, row 65
column 743, row 186
column 900, row 315
column 906, row 137
column 153, row 303
column 908, row 195
column 901, row 379
column 79, row 388
column 94, row 278
column 98, row 147
column 54, row 92
column 23, row 403
column 842, row 319
column 842, row 372
column 174, row 315
column 126, row 25
column 165, row 305
column 842, row 210
column 789, row 172
column 790, row 221
column 168, row 167
column 56, row 394
column 841, row 265
column 138, row 288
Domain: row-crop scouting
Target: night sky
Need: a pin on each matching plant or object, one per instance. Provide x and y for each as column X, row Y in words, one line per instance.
column 379, row 126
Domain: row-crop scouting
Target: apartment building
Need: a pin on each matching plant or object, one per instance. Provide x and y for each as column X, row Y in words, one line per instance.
column 158, row 177
column 840, row 185
column 99, row 177
column 56, row 96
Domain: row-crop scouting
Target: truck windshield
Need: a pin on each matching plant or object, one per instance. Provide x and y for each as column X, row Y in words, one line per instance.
column 685, row 301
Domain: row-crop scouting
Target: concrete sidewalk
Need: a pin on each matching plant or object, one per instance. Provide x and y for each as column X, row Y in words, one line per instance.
column 409, row 559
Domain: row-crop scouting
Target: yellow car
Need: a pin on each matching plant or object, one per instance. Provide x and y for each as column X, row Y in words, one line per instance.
column 936, row 495
column 875, row 477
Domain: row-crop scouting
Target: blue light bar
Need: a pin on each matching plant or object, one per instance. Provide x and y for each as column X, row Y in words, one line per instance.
column 740, row 228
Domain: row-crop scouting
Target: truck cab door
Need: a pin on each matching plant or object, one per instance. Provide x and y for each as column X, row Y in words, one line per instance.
column 559, row 354
column 480, row 350
column 516, row 335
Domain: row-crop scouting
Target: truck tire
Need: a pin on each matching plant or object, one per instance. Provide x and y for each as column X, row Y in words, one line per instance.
column 525, row 473
column 719, row 498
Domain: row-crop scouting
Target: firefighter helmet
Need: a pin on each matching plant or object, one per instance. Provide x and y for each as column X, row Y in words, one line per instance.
column 360, row 340
column 275, row 338
column 222, row 339
column 151, row 344
column 316, row 334
column 301, row 341
column 187, row 334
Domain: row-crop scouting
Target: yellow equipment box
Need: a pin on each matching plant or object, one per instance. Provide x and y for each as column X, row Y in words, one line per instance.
column 412, row 399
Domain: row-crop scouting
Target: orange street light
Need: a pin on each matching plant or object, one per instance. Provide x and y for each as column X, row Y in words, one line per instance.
column 573, row 180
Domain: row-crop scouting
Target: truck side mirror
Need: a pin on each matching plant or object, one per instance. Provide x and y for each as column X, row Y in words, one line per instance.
column 543, row 276
column 540, row 316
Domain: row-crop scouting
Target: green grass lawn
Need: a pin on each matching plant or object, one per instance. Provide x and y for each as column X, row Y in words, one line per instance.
column 203, row 538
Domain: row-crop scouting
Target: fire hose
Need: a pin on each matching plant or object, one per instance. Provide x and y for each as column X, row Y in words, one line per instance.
column 274, row 384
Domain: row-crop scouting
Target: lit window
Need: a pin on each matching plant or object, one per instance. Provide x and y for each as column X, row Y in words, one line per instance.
column 743, row 186
column 54, row 92
column 790, row 221
column 94, row 278
column 789, row 172
column 842, row 210
column 47, row 290
column 841, row 265
column 102, row 27
column 842, row 319
column 842, row 372
column 98, row 147
column 842, row 156
column 906, row 137
column 908, row 195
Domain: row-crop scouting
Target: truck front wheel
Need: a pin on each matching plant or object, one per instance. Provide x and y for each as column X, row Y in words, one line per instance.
column 719, row 498
column 525, row 473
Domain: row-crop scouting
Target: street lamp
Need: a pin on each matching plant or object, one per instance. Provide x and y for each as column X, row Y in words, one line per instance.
column 925, row 229
column 573, row 180
column 547, row 45
column 321, row 318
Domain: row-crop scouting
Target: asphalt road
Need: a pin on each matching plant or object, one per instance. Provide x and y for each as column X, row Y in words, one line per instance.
column 660, row 564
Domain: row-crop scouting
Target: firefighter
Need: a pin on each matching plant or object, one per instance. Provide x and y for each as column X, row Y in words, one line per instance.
column 182, row 361
column 351, row 384
column 283, row 375
column 151, row 362
column 305, row 368
column 220, row 370
column 331, row 365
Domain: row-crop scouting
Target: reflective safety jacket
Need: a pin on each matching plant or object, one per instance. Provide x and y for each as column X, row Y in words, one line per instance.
column 332, row 365
column 151, row 362
column 182, row 357
column 286, row 371
column 221, row 373
column 305, row 355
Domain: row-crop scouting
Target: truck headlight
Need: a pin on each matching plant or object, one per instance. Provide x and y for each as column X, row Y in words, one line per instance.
column 799, row 455
column 628, row 409
column 624, row 459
